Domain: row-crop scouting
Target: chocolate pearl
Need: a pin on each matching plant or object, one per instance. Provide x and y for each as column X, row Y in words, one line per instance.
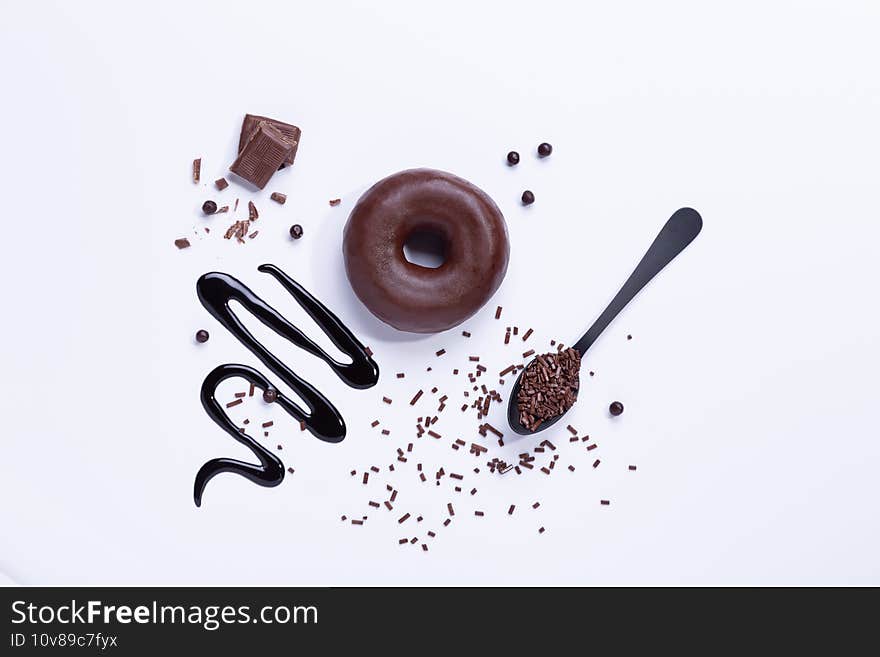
column 528, row 198
column 513, row 158
column 209, row 207
column 296, row 231
column 544, row 149
column 202, row 335
column 616, row 408
column 270, row 395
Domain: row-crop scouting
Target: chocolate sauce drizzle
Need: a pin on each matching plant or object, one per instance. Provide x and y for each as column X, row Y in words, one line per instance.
column 215, row 291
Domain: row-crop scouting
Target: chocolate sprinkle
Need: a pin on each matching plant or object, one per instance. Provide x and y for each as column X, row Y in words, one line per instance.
column 549, row 387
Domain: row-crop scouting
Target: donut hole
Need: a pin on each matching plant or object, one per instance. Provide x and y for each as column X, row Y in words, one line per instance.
column 425, row 248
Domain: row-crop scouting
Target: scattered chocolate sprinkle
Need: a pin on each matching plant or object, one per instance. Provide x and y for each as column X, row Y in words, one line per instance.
column 235, row 207
column 591, row 447
column 403, row 518
column 334, row 202
column 366, row 477
column 604, row 502
column 596, row 463
column 446, row 522
column 290, row 470
column 374, row 423
column 474, row 359
column 441, row 352
column 450, row 509
column 222, row 210
column 385, row 432
column 498, row 312
column 197, row 169
column 541, row 530
column 182, row 243
column 425, row 547
column 632, row 467
column 629, row 337
column 530, row 352
column 268, row 424
column 402, row 541
column 400, row 375
column 526, row 335
column 479, row 514
column 234, row 402
column 386, row 400
column 571, row 468
column 357, row 522
column 571, row 429
column 202, row 336
column 536, row 505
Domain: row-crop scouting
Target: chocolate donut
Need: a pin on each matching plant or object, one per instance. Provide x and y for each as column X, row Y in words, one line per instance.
column 410, row 297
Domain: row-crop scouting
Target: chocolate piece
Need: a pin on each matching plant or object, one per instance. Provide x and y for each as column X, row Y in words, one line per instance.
column 291, row 133
column 278, row 197
column 221, row 184
column 528, row 197
column 544, row 149
column 262, row 155
column 296, row 231
column 334, row 202
column 253, row 215
column 209, row 207
column 616, row 408
column 513, row 158
column 182, row 243
column 202, row 336
column 197, row 169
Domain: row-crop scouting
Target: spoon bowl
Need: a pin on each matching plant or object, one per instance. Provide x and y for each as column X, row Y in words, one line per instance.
column 679, row 231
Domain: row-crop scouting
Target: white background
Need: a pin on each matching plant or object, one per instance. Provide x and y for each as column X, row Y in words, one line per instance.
column 750, row 384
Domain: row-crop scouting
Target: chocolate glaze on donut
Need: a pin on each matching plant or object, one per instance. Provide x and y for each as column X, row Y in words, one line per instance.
column 410, row 297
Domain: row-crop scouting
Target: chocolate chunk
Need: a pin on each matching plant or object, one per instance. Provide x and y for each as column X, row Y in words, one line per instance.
column 202, row 336
column 182, row 243
column 253, row 215
column 278, row 197
column 334, row 202
column 197, row 169
column 528, row 197
column 221, row 184
column 513, row 158
column 270, row 395
column 262, row 155
column 296, row 231
column 544, row 149
column 616, row 408
column 209, row 207
column 291, row 133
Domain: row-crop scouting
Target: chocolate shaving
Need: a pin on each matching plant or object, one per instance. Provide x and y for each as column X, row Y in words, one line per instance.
column 182, row 243
column 197, row 169
column 278, row 197
column 334, row 202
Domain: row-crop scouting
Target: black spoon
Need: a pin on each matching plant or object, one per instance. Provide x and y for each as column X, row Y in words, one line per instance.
column 679, row 231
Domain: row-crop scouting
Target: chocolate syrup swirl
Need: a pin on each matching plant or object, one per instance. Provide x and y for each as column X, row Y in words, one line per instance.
column 215, row 291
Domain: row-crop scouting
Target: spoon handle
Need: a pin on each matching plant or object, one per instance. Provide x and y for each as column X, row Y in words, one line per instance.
column 679, row 231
